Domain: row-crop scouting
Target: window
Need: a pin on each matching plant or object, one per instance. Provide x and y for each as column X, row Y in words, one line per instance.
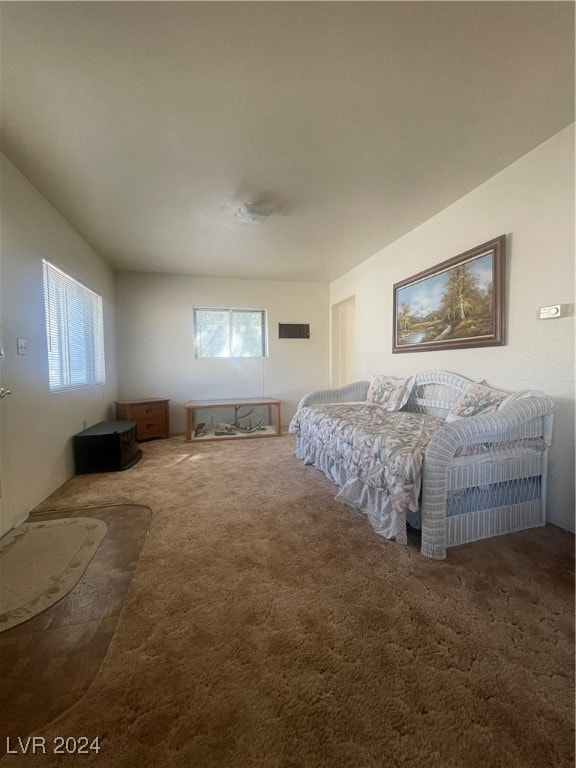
column 230, row 332
column 73, row 331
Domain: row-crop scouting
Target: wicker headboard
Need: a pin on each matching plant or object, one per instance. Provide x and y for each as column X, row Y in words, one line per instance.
column 435, row 392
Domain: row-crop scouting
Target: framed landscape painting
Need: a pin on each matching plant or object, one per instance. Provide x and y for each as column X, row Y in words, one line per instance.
column 458, row 303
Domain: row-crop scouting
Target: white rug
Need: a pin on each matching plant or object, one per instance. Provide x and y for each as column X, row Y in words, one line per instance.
column 42, row 562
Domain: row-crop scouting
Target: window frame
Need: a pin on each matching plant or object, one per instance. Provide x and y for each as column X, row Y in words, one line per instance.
column 230, row 311
column 74, row 324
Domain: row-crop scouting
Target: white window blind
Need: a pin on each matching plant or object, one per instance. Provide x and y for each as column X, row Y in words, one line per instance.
column 74, row 331
column 229, row 332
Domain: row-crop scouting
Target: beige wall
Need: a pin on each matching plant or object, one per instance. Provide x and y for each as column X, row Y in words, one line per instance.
column 532, row 202
column 155, row 337
column 36, row 426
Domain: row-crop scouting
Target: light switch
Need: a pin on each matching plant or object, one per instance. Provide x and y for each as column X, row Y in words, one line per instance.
column 551, row 312
column 22, row 346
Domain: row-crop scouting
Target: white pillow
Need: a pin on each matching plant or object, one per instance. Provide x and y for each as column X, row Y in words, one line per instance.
column 389, row 391
column 513, row 396
column 477, row 398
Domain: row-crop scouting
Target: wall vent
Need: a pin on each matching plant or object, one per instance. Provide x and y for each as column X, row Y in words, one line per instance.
column 293, row 330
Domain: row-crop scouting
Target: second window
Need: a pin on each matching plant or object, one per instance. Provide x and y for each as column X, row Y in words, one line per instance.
column 229, row 332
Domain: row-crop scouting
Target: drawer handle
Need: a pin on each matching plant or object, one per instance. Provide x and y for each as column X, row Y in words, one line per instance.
column 150, row 425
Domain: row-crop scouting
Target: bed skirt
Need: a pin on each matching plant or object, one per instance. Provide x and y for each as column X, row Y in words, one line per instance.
column 377, row 505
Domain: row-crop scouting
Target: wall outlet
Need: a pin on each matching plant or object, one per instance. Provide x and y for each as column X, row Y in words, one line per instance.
column 22, row 345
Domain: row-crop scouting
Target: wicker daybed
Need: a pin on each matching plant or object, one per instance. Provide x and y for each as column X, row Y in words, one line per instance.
column 458, row 459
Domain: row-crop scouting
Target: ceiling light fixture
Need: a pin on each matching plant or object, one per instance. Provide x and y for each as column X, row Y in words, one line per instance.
column 252, row 213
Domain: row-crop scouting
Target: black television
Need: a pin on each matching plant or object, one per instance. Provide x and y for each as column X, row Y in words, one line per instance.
column 109, row 446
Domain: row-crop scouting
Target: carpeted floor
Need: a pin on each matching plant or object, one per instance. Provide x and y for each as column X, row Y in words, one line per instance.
column 267, row 626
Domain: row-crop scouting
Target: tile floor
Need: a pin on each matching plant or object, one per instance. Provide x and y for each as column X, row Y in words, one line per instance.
column 48, row 662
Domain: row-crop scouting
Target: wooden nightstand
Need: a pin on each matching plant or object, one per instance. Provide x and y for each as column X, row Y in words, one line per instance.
column 151, row 416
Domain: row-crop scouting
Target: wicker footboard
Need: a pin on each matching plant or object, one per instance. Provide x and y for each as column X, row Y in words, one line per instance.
column 486, row 476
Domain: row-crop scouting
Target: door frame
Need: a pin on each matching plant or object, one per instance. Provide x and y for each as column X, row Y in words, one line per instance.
column 343, row 342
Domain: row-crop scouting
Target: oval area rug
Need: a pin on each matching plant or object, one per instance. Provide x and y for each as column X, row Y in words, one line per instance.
column 42, row 562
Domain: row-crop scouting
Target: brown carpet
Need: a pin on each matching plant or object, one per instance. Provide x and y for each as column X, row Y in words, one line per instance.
column 267, row 626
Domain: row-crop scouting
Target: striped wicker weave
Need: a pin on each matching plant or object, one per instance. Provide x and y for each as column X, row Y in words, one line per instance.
column 484, row 475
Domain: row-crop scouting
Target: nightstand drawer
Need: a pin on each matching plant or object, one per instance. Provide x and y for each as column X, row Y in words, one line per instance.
column 148, row 428
column 147, row 412
column 151, row 417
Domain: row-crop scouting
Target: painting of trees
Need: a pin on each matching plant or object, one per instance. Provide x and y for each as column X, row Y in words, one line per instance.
column 457, row 303
column 460, row 295
column 466, row 303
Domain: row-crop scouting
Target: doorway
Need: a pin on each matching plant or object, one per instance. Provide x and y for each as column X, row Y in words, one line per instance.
column 343, row 368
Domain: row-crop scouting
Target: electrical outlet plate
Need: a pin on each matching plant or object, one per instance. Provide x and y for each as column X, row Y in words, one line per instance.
column 551, row 312
column 22, row 346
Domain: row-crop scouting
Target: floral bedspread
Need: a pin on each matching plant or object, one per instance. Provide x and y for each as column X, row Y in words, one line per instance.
column 372, row 448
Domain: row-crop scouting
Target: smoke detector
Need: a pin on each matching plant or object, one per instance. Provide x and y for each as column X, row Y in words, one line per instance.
column 252, row 213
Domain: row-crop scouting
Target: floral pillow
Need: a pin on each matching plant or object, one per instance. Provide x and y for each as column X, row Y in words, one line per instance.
column 476, row 398
column 389, row 391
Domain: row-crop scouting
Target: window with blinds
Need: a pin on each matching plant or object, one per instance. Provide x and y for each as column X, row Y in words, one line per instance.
column 229, row 332
column 74, row 331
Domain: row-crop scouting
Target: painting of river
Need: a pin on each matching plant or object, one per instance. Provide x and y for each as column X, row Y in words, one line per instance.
column 457, row 303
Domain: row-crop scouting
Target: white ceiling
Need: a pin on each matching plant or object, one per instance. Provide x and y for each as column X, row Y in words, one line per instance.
column 147, row 124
